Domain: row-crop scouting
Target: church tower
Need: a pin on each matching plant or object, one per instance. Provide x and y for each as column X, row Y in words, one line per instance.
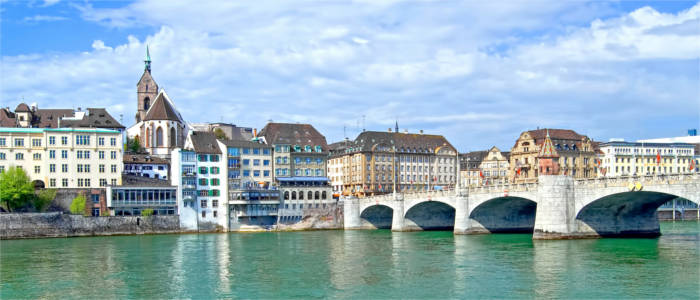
column 146, row 90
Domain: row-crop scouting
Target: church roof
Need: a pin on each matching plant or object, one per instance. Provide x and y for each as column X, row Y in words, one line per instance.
column 162, row 109
column 548, row 149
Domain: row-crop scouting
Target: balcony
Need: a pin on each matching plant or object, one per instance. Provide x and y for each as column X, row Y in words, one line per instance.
column 189, row 186
column 189, row 174
column 189, row 197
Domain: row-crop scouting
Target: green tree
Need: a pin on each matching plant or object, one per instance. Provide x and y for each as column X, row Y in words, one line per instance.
column 16, row 190
column 43, row 199
column 147, row 212
column 133, row 145
column 219, row 133
column 77, row 206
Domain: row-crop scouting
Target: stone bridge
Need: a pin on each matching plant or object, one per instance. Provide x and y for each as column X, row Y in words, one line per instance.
column 556, row 207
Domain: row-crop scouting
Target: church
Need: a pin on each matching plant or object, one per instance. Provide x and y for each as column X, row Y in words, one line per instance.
column 159, row 126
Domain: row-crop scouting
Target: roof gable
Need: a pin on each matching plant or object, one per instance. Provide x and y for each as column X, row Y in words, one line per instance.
column 163, row 109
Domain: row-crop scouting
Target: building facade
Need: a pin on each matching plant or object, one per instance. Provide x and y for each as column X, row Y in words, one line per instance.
column 577, row 154
column 199, row 171
column 622, row 158
column 145, row 165
column 64, row 157
column 377, row 162
column 138, row 193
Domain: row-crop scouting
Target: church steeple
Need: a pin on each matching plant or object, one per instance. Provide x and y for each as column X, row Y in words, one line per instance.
column 147, row 61
column 397, row 126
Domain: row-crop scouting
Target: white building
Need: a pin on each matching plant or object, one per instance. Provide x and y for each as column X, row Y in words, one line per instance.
column 199, row 171
column 64, row 157
column 145, row 165
column 620, row 158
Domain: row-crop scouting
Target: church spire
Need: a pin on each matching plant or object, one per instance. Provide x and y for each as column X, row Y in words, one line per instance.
column 147, row 61
column 397, row 126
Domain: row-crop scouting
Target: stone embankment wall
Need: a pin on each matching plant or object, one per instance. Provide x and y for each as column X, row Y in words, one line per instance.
column 330, row 217
column 39, row 225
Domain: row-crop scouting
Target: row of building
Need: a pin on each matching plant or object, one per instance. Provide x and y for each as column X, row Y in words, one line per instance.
column 224, row 177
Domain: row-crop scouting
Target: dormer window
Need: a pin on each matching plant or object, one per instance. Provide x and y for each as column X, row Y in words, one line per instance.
column 307, row 148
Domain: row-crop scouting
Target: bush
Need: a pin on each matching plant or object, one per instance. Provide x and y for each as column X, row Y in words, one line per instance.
column 77, row 207
column 16, row 190
column 43, row 199
column 147, row 212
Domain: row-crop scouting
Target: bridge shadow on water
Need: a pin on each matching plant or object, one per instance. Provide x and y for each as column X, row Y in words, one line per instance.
column 506, row 215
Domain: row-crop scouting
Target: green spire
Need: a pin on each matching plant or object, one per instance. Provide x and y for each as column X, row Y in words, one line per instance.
column 148, row 60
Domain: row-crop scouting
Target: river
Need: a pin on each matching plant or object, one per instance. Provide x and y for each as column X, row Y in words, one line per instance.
column 353, row 264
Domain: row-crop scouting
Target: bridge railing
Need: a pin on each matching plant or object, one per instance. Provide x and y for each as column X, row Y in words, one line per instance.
column 625, row 180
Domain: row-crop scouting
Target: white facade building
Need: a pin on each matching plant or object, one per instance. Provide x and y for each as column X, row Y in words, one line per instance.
column 621, row 158
column 64, row 157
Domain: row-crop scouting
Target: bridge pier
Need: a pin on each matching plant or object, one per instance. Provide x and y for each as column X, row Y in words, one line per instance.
column 351, row 214
column 397, row 219
column 556, row 209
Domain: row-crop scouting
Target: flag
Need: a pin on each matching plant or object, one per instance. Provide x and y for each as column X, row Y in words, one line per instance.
column 380, row 186
column 692, row 164
column 481, row 174
column 658, row 157
column 517, row 171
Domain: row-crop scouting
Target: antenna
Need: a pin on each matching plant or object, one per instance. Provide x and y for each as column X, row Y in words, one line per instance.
column 344, row 132
column 363, row 123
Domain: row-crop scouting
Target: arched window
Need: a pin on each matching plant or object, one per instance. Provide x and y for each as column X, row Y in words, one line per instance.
column 301, row 195
column 311, row 195
column 317, row 195
column 294, row 195
column 146, row 102
column 286, row 195
column 172, row 137
column 323, row 195
column 147, row 140
column 159, row 137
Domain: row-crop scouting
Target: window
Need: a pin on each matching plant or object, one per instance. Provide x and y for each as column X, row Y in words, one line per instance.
column 202, row 181
column 52, row 182
column 113, row 141
column 319, row 149
column 214, row 181
column 86, row 154
column 114, row 182
column 202, row 170
column 256, row 151
column 2, row 142
column 37, row 169
column 246, row 162
column 100, row 141
column 256, row 173
column 101, row 154
column 64, row 168
column 203, row 204
column 79, row 154
column 64, row 154
column 87, row 168
column 82, row 140
column 113, row 155
column 246, row 150
column 204, row 214
column 103, row 182
column 19, row 156
column 214, row 170
column 79, row 168
column 266, row 162
column 64, row 182
column 266, row 151
column 266, row 173
column 36, row 156
column 52, row 168
column 256, row 162
column 246, row 173
column 113, row 168
column 214, row 157
column 36, row 142
column 80, row 182
column 64, row 140
column 307, row 148
column 19, row 142
column 95, row 198
column 214, row 203
column 52, row 154
column 214, row 214
column 101, row 168
column 2, row 156
column 202, row 157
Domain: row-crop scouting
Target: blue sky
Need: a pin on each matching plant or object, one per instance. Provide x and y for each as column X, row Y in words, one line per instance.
column 477, row 72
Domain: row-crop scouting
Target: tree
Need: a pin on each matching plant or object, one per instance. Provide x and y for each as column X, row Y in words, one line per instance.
column 133, row 145
column 16, row 190
column 77, row 206
column 219, row 133
column 44, row 198
column 147, row 212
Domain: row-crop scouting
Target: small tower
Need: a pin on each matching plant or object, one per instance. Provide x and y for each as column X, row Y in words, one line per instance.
column 397, row 126
column 548, row 158
column 146, row 89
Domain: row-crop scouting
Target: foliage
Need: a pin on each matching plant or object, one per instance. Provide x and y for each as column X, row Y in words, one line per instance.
column 147, row 212
column 43, row 199
column 219, row 133
column 16, row 189
column 133, row 145
column 77, row 207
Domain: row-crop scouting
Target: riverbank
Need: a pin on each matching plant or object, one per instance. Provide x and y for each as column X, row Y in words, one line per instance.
column 58, row 224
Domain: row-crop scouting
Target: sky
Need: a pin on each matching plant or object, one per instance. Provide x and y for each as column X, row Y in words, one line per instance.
column 477, row 72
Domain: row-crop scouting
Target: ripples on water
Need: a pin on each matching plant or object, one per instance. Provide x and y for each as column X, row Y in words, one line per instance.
column 353, row 264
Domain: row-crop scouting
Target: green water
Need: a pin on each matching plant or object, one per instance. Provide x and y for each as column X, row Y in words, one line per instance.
column 353, row 264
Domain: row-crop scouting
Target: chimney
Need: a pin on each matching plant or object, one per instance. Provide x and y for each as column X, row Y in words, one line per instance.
column 420, row 131
column 255, row 132
column 389, row 129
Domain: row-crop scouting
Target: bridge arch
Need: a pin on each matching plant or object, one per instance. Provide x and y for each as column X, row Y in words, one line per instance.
column 627, row 213
column 506, row 214
column 377, row 216
column 429, row 215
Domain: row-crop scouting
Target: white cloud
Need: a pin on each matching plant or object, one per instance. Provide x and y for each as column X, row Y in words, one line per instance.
column 43, row 18
column 477, row 72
